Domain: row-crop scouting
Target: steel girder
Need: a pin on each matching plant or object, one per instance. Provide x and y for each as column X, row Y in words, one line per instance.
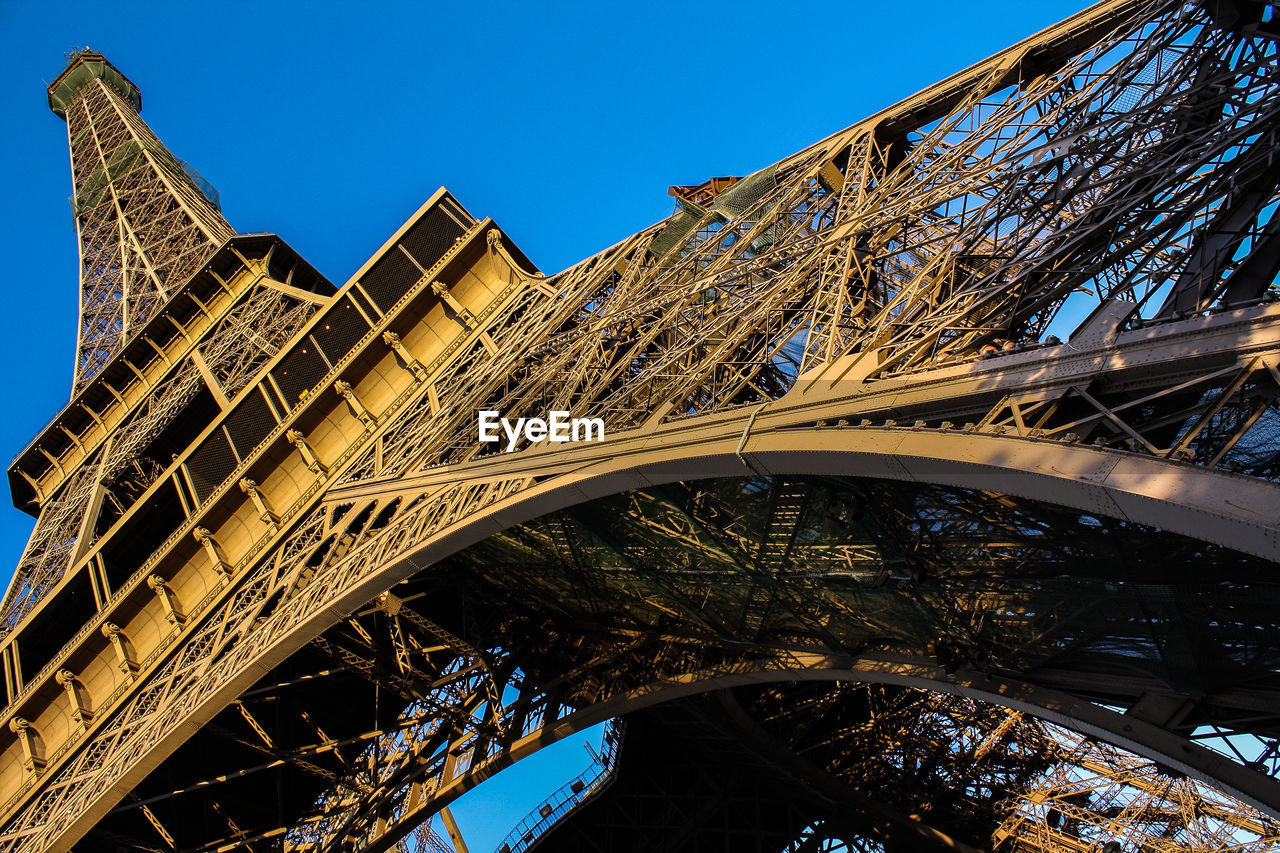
column 884, row 305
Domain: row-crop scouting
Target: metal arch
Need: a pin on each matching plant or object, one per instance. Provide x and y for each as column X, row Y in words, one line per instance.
column 702, row 451
column 1177, row 497
column 949, row 461
column 709, row 454
column 1127, row 732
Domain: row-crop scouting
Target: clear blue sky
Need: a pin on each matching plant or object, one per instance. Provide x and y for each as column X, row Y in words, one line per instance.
column 330, row 122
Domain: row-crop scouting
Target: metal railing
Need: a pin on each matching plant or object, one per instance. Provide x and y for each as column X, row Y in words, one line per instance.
column 576, row 792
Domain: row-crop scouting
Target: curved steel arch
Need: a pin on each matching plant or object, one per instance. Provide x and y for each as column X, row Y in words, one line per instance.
column 1106, row 482
column 1133, row 735
column 775, row 452
column 1211, row 505
column 718, row 449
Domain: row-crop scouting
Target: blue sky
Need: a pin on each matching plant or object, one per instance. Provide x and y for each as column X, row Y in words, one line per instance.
column 329, row 123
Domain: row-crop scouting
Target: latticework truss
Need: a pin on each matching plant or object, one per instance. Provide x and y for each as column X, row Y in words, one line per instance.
column 144, row 225
column 110, row 482
column 937, row 502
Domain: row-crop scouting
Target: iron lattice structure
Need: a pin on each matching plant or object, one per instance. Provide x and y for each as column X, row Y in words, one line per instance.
column 144, row 225
column 144, row 228
column 937, row 509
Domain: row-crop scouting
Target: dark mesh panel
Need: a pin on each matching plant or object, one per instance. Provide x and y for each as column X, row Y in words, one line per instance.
column 249, row 424
column 53, row 627
column 434, row 235
column 428, row 240
column 390, row 278
column 339, row 331
column 299, row 371
column 212, row 463
column 143, row 534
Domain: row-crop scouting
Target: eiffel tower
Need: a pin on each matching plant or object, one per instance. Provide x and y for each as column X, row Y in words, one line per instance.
column 936, row 507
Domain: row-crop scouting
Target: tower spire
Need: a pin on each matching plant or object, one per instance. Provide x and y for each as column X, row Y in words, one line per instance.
column 143, row 224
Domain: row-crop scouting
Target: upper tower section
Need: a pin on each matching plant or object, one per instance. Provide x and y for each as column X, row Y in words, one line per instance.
column 143, row 223
column 83, row 68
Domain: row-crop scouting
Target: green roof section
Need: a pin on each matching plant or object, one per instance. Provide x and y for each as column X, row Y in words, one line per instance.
column 84, row 67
